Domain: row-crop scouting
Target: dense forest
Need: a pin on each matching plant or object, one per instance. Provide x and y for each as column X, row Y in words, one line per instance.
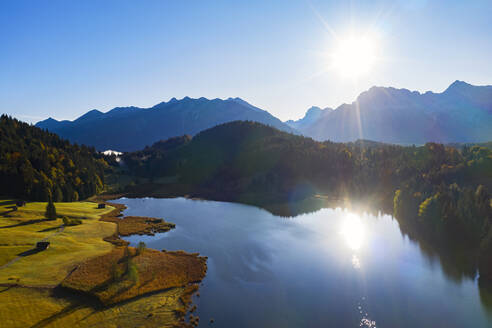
column 439, row 194
column 38, row 165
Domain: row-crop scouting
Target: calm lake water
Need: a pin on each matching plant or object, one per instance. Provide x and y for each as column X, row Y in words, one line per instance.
column 331, row 268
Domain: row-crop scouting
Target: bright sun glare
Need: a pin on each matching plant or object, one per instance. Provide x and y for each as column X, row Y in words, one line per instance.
column 354, row 56
column 353, row 231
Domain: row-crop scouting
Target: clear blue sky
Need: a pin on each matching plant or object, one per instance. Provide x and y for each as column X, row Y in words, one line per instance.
column 63, row 58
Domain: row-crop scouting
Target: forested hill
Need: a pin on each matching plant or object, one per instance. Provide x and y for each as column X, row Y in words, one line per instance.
column 438, row 192
column 242, row 157
column 36, row 164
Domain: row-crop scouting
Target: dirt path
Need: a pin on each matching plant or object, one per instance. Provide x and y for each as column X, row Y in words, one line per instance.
column 21, row 256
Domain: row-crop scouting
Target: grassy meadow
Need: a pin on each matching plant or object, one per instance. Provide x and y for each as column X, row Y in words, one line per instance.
column 80, row 261
column 21, row 229
column 32, row 307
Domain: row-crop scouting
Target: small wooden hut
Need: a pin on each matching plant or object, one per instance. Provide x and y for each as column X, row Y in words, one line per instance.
column 20, row 203
column 42, row 245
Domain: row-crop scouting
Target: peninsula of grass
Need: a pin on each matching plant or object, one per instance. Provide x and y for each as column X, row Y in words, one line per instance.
column 139, row 225
column 126, row 273
column 130, row 225
column 155, row 286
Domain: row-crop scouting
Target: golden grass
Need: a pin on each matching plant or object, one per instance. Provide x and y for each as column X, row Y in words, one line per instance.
column 139, row 225
column 21, row 229
column 130, row 225
column 8, row 253
column 31, row 307
column 170, row 273
column 156, row 271
column 74, row 209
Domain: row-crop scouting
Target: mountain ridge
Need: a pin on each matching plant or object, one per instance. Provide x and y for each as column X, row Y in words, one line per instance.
column 141, row 127
column 461, row 113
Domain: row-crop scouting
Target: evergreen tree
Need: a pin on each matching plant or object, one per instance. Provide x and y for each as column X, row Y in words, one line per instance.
column 36, row 164
column 50, row 210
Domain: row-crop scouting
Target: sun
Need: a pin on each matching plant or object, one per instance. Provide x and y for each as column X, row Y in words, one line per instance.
column 354, row 56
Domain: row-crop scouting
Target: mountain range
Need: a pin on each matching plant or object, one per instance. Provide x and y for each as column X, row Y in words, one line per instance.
column 460, row 114
column 133, row 128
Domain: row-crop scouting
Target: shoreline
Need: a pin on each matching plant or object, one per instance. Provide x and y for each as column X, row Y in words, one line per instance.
column 186, row 271
column 313, row 203
column 275, row 203
column 149, row 226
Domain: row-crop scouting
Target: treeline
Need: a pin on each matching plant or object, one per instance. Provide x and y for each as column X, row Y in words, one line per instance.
column 241, row 157
column 38, row 165
column 158, row 160
column 449, row 204
column 441, row 193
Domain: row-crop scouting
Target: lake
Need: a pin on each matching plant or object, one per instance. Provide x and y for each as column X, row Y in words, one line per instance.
column 329, row 268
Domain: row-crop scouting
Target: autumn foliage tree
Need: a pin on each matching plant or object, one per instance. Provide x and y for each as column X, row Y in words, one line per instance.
column 36, row 165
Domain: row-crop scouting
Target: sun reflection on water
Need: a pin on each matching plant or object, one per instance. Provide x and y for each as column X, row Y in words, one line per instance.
column 355, row 262
column 353, row 231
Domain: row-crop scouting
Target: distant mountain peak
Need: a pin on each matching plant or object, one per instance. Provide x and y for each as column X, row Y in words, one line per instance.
column 244, row 103
column 377, row 91
column 123, row 108
column 90, row 115
column 312, row 114
column 48, row 123
column 458, row 86
column 459, row 83
column 235, row 99
column 313, row 110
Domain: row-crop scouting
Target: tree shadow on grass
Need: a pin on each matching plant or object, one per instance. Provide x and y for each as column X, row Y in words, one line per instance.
column 80, row 300
column 30, row 252
column 6, row 289
column 51, row 229
column 77, row 300
column 23, row 223
column 6, row 213
column 58, row 315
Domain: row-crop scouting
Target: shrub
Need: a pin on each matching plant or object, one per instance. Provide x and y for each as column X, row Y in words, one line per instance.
column 71, row 222
column 141, row 247
column 132, row 271
column 117, row 272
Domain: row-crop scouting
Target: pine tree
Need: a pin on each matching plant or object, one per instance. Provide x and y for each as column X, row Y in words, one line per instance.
column 50, row 210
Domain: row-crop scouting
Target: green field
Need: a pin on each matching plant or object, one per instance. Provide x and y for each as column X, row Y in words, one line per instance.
column 21, row 229
column 27, row 279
